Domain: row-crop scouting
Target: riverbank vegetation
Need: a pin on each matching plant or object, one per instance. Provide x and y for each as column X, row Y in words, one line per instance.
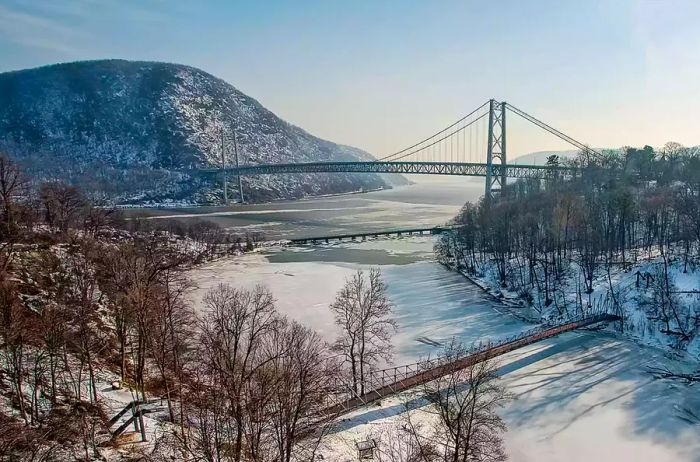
column 95, row 317
column 87, row 299
column 621, row 236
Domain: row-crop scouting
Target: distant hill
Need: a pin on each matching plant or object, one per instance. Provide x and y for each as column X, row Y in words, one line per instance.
column 540, row 157
column 123, row 130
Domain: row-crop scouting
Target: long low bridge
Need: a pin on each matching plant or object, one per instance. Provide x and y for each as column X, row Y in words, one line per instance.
column 386, row 382
column 369, row 234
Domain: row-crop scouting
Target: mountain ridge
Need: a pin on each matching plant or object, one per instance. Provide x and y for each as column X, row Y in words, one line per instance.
column 114, row 126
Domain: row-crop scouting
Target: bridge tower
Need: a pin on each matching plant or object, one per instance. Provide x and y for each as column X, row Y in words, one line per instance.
column 496, row 150
column 240, row 183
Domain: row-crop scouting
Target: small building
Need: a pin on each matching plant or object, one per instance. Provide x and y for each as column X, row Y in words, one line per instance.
column 365, row 449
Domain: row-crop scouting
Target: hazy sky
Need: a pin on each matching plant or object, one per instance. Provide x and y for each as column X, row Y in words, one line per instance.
column 381, row 74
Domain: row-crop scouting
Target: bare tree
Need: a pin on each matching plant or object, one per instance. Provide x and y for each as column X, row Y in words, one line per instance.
column 210, row 428
column 233, row 334
column 132, row 275
column 301, row 372
column 465, row 403
column 171, row 328
column 13, row 189
column 256, row 390
column 406, row 441
column 14, row 333
column 363, row 312
column 63, row 205
column 86, row 331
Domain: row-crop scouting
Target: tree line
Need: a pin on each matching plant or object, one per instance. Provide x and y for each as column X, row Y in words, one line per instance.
column 543, row 238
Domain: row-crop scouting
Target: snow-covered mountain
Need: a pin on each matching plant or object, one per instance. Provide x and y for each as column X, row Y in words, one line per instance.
column 130, row 130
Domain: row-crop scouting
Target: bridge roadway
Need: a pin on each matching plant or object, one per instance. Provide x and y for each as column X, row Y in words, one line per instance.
column 366, row 234
column 395, row 380
column 407, row 168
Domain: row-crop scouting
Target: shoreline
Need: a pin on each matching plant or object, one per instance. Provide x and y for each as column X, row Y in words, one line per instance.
column 510, row 307
column 171, row 206
column 506, row 303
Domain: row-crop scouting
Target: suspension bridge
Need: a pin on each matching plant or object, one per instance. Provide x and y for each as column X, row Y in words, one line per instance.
column 343, row 398
column 475, row 145
column 378, row 384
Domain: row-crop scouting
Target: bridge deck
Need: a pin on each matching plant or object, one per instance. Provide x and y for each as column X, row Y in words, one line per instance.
column 365, row 234
column 407, row 168
column 436, row 369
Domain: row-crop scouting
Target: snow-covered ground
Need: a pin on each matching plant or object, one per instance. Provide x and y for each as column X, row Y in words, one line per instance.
column 581, row 396
column 114, row 401
column 634, row 294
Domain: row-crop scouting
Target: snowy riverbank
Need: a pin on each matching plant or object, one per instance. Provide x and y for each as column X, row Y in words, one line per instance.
column 581, row 396
column 636, row 291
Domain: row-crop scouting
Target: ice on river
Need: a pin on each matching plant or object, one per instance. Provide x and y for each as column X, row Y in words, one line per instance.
column 581, row 396
column 432, row 304
column 303, row 291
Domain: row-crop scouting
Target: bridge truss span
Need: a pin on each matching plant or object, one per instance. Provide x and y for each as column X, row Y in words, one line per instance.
column 475, row 145
column 401, row 167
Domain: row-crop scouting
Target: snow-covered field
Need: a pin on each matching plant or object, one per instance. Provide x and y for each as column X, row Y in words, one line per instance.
column 582, row 396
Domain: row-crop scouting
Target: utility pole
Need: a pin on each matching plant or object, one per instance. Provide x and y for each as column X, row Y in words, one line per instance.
column 235, row 151
column 223, row 167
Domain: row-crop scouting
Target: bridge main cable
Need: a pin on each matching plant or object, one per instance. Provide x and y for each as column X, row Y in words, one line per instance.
column 554, row 131
column 389, row 157
column 436, row 141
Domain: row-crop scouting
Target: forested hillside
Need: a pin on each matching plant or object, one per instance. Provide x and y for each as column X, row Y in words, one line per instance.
column 130, row 131
column 623, row 236
column 94, row 315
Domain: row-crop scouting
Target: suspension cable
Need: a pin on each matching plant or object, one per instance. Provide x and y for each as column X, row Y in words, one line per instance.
column 439, row 140
column 434, row 135
column 553, row 131
column 437, row 148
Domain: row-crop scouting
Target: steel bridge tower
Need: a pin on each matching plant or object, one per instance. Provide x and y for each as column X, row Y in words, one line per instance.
column 496, row 150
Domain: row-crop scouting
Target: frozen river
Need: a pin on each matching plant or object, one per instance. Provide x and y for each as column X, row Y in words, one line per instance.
column 421, row 204
column 582, row 396
column 432, row 304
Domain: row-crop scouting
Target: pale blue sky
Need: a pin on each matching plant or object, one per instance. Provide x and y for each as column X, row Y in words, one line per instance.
column 380, row 74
